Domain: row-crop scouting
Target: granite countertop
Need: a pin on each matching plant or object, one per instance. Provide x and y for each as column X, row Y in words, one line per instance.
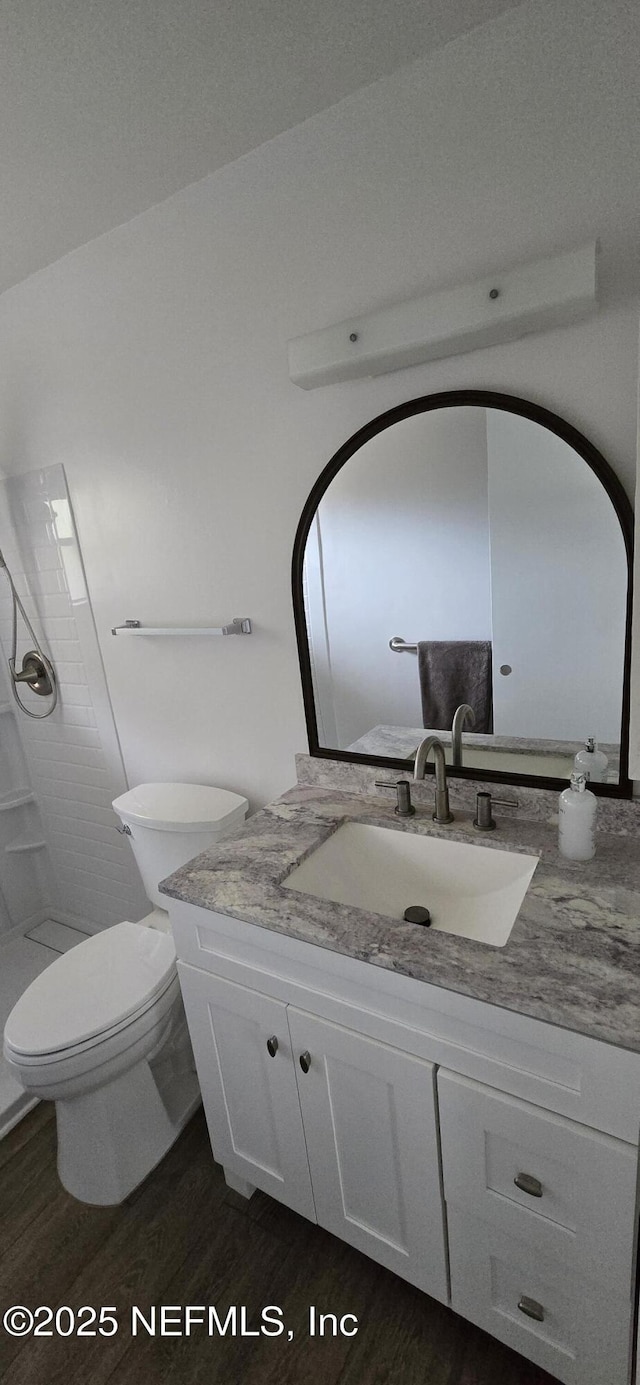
column 574, row 952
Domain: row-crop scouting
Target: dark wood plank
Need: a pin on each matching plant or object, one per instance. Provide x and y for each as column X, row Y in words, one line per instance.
column 25, row 1130
column 272, row 1216
column 407, row 1339
column 29, row 1183
column 332, row 1278
column 238, row 1264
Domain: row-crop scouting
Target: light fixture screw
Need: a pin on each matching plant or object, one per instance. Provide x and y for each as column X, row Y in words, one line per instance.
column 494, row 293
column 353, row 336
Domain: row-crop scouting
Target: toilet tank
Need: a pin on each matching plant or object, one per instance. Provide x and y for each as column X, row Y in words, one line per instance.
column 169, row 824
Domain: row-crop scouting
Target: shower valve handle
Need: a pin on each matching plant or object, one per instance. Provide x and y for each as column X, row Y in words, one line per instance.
column 32, row 669
column 37, row 671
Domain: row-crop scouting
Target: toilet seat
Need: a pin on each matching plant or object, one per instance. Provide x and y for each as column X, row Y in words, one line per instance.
column 100, row 1048
column 92, row 993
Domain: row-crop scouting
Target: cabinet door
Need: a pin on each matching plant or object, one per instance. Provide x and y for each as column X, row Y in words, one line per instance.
column 370, row 1124
column 250, row 1098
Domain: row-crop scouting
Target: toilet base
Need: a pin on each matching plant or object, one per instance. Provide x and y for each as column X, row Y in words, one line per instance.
column 110, row 1139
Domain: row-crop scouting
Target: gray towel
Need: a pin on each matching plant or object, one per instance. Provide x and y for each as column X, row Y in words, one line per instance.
column 451, row 672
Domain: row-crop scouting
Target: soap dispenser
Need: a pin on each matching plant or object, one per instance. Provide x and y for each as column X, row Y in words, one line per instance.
column 577, row 820
column 592, row 762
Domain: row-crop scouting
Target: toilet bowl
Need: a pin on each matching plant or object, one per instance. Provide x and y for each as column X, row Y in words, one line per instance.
column 102, row 1031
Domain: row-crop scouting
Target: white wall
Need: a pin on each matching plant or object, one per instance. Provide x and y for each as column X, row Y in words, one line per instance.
column 152, row 362
column 405, row 550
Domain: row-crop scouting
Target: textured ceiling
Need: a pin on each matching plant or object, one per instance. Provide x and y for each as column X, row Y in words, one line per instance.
column 109, row 106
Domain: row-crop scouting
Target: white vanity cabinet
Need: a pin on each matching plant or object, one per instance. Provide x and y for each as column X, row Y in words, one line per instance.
column 486, row 1157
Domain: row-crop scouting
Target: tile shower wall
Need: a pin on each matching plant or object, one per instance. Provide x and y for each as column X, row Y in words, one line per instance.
column 74, row 759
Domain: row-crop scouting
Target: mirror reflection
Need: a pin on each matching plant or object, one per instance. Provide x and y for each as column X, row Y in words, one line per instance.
column 468, row 557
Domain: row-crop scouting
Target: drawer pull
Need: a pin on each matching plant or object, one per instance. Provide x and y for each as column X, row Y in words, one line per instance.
column 532, row 1309
column 528, row 1184
column 305, row 1060
column 272, row 1046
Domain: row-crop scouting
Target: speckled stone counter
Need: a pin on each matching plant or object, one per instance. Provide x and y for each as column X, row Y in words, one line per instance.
column 573, row 957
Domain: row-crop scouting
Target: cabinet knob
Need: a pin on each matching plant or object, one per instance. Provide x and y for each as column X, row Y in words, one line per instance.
column 272, row 1046
column 531, row 1309
column 305, row 1060
column 528, row 1184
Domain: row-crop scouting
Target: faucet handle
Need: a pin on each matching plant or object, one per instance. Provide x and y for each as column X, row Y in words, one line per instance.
column 483, row 821
column 404, row 807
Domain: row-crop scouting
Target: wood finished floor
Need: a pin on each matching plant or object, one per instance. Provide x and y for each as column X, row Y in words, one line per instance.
column 184, row 1237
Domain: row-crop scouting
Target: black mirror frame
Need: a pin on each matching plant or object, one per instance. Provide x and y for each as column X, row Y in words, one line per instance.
column 621, row 504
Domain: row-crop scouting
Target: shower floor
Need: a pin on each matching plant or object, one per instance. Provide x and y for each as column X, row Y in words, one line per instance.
column 21, row 960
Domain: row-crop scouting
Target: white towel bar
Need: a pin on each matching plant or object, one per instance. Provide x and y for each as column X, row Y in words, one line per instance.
column 240, row 625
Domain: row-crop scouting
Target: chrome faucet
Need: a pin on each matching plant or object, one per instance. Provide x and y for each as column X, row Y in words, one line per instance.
column 463, row 714
column 442, row 812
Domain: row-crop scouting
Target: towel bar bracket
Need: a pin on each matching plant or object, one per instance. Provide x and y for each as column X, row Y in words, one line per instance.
column 399, row 646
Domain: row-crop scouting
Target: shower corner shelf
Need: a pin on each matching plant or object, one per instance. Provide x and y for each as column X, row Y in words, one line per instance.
column 16, row 800
column 20, row 845
column 240, row 625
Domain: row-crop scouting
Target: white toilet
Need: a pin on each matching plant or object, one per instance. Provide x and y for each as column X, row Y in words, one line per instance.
column 102, row 1031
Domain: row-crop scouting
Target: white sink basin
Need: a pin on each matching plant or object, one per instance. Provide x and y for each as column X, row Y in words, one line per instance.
column 473, row 891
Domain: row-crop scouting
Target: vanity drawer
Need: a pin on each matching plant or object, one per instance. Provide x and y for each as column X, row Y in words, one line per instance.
column 575, row 1195
column 498, row 1281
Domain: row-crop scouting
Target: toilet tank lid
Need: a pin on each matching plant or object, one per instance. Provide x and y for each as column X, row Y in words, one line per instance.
column 181, row 807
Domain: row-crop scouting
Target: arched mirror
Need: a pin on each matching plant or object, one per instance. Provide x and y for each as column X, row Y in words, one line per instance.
column 467, row 548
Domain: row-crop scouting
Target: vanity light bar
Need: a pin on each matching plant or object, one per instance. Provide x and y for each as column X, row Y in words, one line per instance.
column 545, row 293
